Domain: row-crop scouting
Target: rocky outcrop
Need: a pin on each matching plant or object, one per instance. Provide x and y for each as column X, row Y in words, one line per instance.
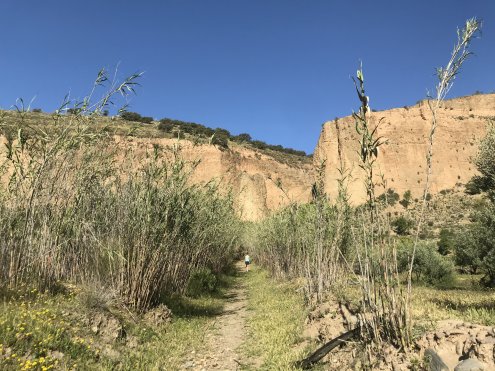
column 462, row 122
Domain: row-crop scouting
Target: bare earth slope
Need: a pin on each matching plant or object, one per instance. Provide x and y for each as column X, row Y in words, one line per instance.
column 462, row 123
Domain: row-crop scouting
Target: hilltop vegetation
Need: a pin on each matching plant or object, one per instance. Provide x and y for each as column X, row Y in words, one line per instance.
column 133, row 124
column 218, row 136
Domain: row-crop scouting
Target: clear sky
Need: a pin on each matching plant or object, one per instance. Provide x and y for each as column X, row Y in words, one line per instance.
column 276, row 69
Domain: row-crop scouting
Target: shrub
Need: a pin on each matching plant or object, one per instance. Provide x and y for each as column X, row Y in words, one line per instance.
column 221, row 138
column 476, row 185
column 134, row 116
column 476, row 245
column 166, row 125
column 402, row 225
column 259, row 144
column 406, row 199
column 202, row 281
column 146, row 119
column 485, row 163
column 74, row 111
column 130, row 116
column 466, row 251
column 391, row 197
column 446, row 243
column 222, row 132
column 429, row 266
column 37, row 110
column 244, row 137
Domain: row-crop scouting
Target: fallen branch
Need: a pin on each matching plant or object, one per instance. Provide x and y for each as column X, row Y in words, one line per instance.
column 323, row 351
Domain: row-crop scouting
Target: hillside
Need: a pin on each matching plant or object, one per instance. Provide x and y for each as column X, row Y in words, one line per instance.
column 462, row 123
column 260, row 180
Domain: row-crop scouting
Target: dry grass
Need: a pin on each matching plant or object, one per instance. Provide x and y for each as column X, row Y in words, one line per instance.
column 470, row 305
column 74, row 210
column 466, row 301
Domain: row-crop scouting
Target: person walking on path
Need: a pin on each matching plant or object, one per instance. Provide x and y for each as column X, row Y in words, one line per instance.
column 247, row 261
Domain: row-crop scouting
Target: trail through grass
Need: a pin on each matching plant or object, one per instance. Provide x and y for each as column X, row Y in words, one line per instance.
column 43, row 331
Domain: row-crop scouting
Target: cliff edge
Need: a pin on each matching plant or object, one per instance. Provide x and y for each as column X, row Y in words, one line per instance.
column 462, row 122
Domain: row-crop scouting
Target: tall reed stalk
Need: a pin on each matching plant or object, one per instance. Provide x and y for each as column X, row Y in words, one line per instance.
column 309, row 241
column 78, row 206
column 383, row 314
column 446, row 76
column 386, row 303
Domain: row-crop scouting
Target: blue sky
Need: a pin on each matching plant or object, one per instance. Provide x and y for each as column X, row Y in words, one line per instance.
column 276, row 69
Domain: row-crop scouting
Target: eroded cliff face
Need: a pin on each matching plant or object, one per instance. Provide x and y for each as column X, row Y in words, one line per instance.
column 462, row 122
column 259, row 183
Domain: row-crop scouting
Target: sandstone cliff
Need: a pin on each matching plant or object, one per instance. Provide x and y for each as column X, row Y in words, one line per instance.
column 462, row 122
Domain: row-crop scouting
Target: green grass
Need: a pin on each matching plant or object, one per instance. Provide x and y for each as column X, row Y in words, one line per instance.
column 35, row 328
column 170, row 345
column 276, row 318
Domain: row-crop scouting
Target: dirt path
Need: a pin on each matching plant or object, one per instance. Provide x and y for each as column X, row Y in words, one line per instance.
column 227, row 334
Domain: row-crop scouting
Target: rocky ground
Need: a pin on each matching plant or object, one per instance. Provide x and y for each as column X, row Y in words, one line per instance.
column 454, row 345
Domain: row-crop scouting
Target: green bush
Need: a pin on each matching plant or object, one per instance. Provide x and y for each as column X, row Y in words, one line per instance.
column 130, row 116
column 406, row 199
column 475, row 247
column 202, row 281
column 402, row 225
column 166, row 125
column 476, row 185
column 429, row 266
column 134, row 116
column 221, row 138
column 390, row 197
column 485, row 163
column 244, row 137
column 146, row 119
column 446, row 242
